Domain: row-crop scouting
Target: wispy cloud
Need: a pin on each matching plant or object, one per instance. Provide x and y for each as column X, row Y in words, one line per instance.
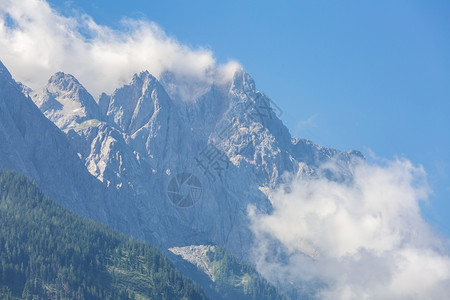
column 302, row 124
column 305, row 125
column 36, row 41
column 360, row 239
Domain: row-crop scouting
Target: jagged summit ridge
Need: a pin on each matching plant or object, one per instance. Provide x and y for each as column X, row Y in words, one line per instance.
column 144, row 138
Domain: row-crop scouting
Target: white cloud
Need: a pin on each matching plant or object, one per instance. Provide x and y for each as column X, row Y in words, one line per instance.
column 363, row 238
column 36, row 41
column 304, row 124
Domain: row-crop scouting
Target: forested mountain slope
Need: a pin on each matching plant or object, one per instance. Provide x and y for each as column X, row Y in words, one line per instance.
column 48, row 252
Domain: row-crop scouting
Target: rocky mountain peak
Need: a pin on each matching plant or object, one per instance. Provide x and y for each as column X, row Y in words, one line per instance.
column 133, row 105
column 142, row 78
column 66, row 102
column 64, row 82
column 243, row 81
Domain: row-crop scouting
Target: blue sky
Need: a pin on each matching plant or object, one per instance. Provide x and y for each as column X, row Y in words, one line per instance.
column 366, row 75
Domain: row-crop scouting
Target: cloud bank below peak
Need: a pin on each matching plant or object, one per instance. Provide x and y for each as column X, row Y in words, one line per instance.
column 361, row 239
column 36, row 41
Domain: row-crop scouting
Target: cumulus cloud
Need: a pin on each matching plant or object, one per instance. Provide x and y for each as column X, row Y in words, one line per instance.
column 363, row 238
column 36, row 41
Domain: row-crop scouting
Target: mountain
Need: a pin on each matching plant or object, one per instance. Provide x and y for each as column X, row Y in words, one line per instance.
column 171, row 172
column 48, row 252
column 230, row 140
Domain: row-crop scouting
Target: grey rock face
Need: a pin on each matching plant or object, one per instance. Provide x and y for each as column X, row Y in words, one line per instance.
column 31, row 144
